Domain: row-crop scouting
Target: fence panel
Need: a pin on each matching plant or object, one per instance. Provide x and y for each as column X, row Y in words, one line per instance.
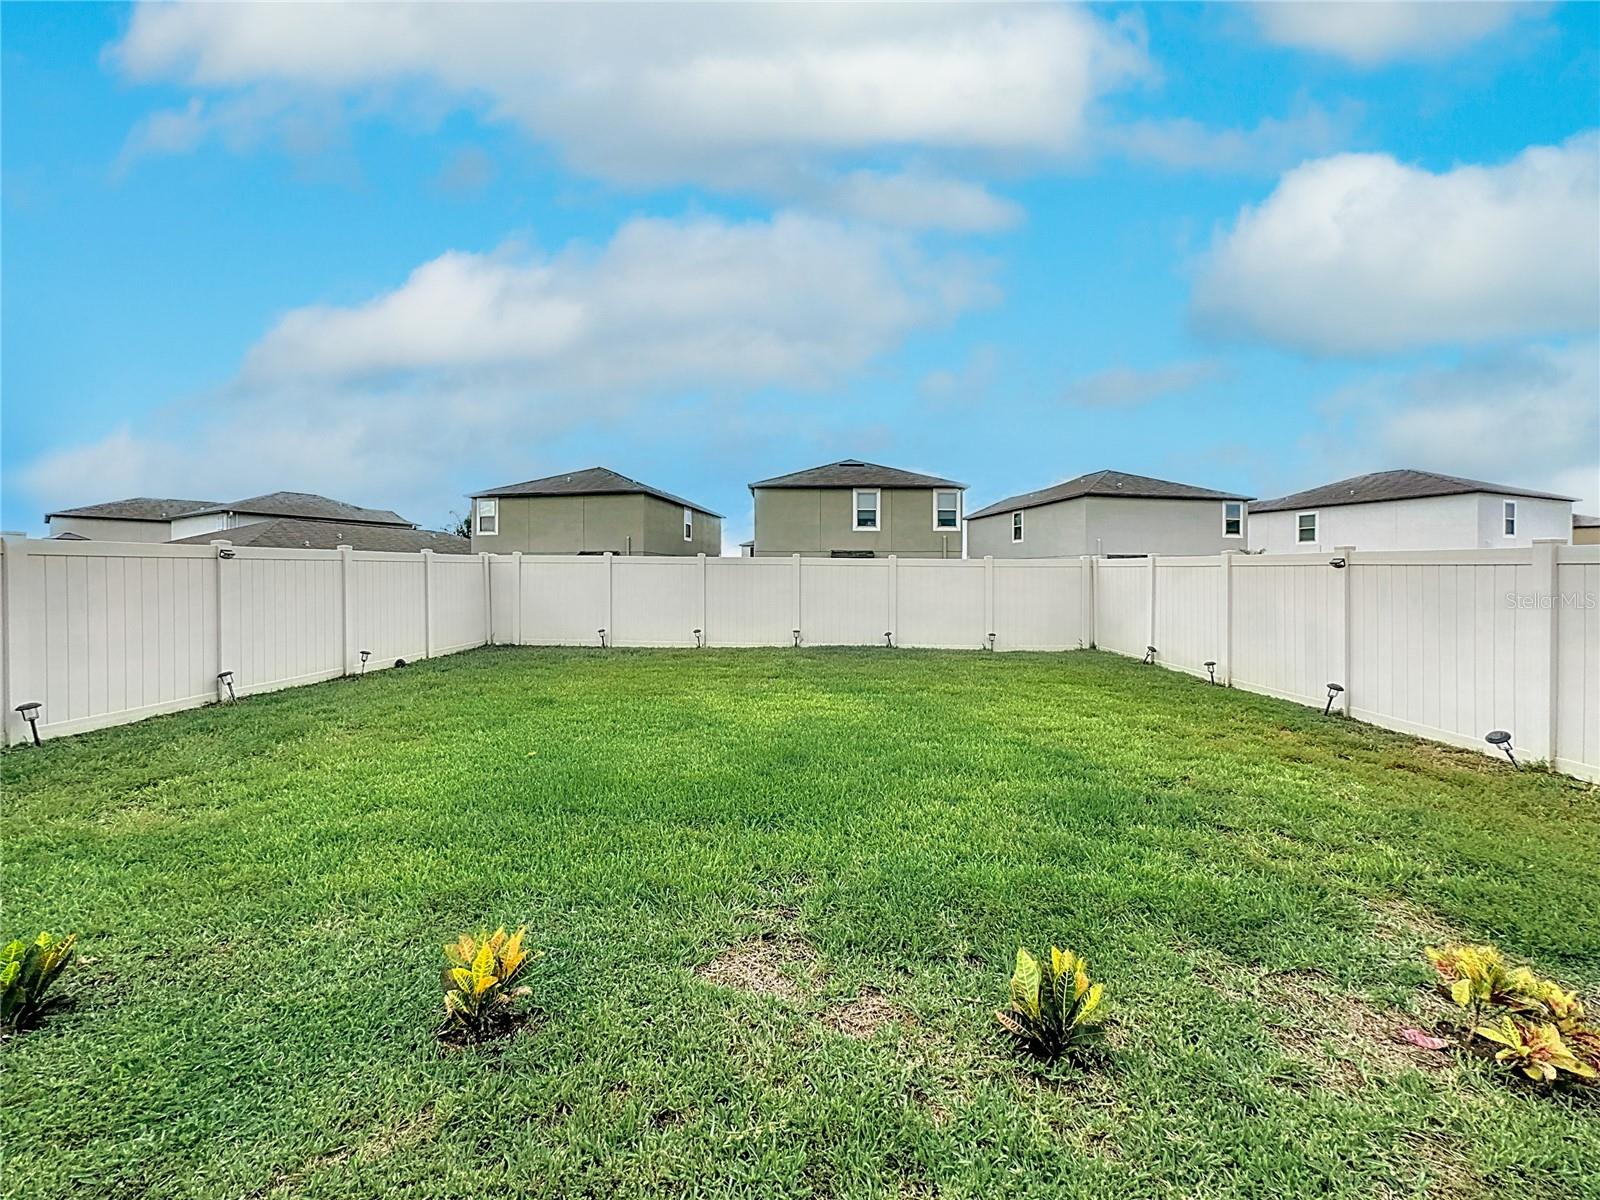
column 456, row 606
column 657, row 601
column 844, row 602
column 751, row 601
column 282, row 617
column 1038, row 604
column 1577, row 733
column 1189, row 627
column 1288, row 626
column 566, row 601
column 940, row 603
column 386, row 594
column 1122, row 605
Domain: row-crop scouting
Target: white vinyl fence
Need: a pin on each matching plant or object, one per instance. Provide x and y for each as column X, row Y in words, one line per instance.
column 102, row 633
column 1444, row 644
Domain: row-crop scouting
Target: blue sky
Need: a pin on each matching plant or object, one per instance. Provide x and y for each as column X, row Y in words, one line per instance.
column 393, row 255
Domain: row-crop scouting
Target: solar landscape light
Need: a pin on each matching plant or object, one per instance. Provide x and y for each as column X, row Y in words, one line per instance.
column 1338, row 564
column 602, row 639
column 29, row 711
column 365, row 654
column 1149, row 656
column 991, row 641
column 225, row 679
column 888, row 637
column 1211, row 669
column 1495, row 737
column 1333, row 690
column 796, row 639
column 699, row 640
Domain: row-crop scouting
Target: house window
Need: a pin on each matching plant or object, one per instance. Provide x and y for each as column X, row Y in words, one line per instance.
column 1233, row 519
column 1016, row 527
column 688, row 524
column 488, row 516
column 1510, row 517
column 947, row 510
column 866, row 507
column 1305, row 529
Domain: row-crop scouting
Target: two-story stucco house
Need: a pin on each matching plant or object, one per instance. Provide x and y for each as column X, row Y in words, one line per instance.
column 855, row 509
column 1408, row 510
column 594, row 511
column 1110, row 513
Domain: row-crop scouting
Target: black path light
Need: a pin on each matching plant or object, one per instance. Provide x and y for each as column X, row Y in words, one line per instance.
column 365, row 654
column 888, row 637
column 1211, row 669
column 29, row 711
column 225, row 679
column 991, row 641
column 602, row 633
column 797, row 639
column 1333, row 690
column 1149, row 656
column 699, row 638
column 1502, row 740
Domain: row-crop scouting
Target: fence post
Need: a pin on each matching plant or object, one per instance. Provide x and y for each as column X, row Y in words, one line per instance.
column 988, row 599
column 894, row 598
column 1151, row 630
column 1547, row 616
column 347, row 607
column 797, row 624
column 516, row 598
column 14, row 605
column 427, row 604
column 611, row 585
column 1226, row 654
column 1086, row 584
column 225, row 654
column 705, row 634
column 488, row 599
column 1346, row 650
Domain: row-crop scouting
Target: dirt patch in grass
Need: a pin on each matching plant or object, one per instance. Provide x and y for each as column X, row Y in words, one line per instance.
column 1397, row 919
column 770, row 965
column 863, row 1015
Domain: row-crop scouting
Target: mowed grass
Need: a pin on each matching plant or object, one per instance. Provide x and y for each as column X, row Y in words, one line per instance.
column 263, row 890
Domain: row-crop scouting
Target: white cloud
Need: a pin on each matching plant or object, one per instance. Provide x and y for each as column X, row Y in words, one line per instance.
column 1130, row 387
column 1369, row 33
column 738, row 97
column 1272, row 145
column 476, row 364
column 1360, row 254
column 1528, row 416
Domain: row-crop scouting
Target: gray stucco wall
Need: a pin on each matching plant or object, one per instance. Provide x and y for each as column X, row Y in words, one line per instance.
column 819, row 521
column 595, row 524
column 1107, row 525
column 102, row 530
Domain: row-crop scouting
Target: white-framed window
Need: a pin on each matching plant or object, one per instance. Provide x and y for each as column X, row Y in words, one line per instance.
column 488, row 516
column 1509, row 518
column 1016, row 526
column 688, row 524
column 1233, row 518
column 865, row 502
column 946, row 509
column 1305, row 528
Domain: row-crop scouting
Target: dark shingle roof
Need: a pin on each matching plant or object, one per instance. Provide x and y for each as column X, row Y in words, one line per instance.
column 1105, row 483
column 1392, row 485
column 307, row 506
column 1584, row 521
column 852, row 472
column 594, row 481
column 136, row 508
column 287, row 533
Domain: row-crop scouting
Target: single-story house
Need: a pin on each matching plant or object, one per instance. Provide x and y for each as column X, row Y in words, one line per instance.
column 1110, row 513
column 594, row 511
column 1585, row 530
column 136, row 519
column 289, row 533
column 856, row 509
column 299, row 506
column 1408, row 510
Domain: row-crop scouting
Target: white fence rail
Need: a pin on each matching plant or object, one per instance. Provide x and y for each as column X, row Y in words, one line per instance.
column 1447, row 645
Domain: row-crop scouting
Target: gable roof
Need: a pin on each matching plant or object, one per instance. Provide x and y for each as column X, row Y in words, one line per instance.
column 135, row 508
column 592, row 481
column 1393, row 485
column 288, row 533
column 852, row 472
column 306, row 506
column 1105, row 483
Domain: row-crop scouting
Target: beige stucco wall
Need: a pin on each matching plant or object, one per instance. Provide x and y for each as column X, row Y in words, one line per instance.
column 1586, row 535
column 628, row 524
column 1107, row 525
column 102, row 530
column 819, row 521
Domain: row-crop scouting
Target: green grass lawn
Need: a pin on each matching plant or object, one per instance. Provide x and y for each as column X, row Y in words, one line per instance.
column 858, row 838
